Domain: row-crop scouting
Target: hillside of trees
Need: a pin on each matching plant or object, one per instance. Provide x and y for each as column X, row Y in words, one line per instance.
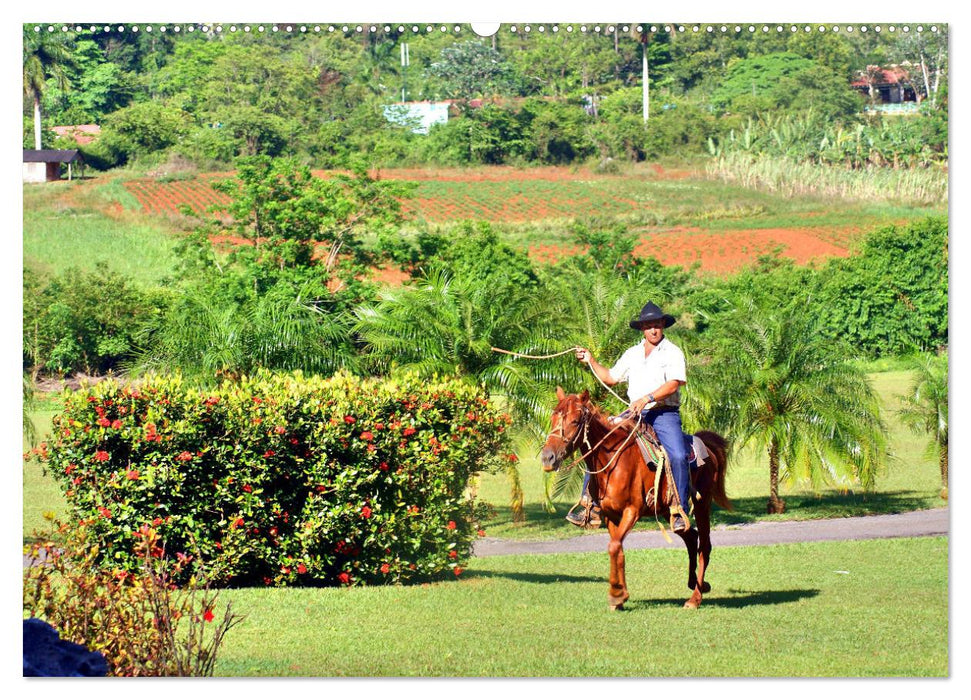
column 538, row 97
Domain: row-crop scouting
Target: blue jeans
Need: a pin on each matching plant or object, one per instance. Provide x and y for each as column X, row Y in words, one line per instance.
column 667, row 425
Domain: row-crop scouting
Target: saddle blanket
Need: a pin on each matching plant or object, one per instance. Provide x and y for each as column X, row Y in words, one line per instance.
column 697, row 451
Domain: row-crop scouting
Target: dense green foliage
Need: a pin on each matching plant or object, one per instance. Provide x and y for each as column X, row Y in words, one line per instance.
column 282, row 479
column 82, row 321
column 537, row 97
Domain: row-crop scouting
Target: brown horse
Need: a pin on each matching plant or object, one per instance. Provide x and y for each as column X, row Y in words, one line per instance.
column 622, row 482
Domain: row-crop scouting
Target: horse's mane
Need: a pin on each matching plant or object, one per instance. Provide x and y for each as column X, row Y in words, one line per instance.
column 623, row 429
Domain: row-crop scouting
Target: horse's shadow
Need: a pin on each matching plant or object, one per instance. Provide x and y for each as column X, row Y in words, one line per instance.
column 733, row 599
column 538, row 578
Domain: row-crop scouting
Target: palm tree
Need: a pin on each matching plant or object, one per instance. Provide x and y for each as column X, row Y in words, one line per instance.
column 773, row 380
column 925, row 407
column 449, row 325
column 284, row 328
column 46, row 54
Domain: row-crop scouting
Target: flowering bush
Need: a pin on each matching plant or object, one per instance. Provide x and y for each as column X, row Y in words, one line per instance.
column 282, row 479
column 140, row 623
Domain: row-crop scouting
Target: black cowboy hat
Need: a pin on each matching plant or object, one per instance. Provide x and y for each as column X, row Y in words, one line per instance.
column 651, row 312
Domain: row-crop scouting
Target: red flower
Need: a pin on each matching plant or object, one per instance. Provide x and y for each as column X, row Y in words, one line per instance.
column 269, row 453
column 344, row 577
column 280, row 430
column 379, row 426
column 453, row 554
column 133, row 474
column 184, row 456
column 212, row 401
column 301, row 569
column 350, row 419
column 367, row 435
column 208, row 616
column 257, row 400
column 365, row 512
column 371, row 448
column 451, row 525
column 481, row 533
column 239, row 522
column 116, row 424
column 513, row 458
column 385, row 568
column 383, row 466
column 104, row 422
column 458, row 570
column 247, row 488
column 408, row 431
column 70, row 468
column 105, row 513
column 101, row 456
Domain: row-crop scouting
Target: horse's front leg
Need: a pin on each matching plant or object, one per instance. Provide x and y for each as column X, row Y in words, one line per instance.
column 618, row 530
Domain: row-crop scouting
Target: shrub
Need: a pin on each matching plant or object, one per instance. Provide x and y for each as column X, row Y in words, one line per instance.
column 140, row 623
column 282, row 479
column 82, row 321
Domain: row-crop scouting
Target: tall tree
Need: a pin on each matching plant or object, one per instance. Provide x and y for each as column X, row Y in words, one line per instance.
column 773, row 381
column 925, row 407
column 46, row 55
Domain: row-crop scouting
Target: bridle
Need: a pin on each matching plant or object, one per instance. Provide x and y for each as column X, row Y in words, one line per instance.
column 583, row 425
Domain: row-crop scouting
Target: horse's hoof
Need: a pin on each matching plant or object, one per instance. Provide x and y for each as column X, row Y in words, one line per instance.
column 619, row 606
column 692, row 604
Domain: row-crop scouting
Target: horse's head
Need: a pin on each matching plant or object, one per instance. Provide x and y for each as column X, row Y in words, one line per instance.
column 566, row 427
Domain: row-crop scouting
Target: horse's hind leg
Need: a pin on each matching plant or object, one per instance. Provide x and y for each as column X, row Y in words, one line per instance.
column 690, row 538
column 697, row 582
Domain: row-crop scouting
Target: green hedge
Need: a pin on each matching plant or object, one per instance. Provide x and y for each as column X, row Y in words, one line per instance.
column 282, row 479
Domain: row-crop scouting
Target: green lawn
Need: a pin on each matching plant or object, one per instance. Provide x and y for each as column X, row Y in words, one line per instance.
column 867, row 608
column 66, row 224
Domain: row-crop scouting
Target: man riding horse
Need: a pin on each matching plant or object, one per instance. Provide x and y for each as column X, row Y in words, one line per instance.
column 654, row 370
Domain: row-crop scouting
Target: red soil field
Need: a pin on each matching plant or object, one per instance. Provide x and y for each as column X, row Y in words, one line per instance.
column 718, row 253
column 723, row 252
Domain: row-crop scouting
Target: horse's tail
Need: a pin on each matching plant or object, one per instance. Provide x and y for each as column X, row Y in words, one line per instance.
column 718, row 447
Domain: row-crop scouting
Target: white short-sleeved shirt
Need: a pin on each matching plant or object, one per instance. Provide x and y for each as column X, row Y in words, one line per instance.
column 645, row 374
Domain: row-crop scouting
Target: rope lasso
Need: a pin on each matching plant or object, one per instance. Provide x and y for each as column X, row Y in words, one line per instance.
column 558, row 354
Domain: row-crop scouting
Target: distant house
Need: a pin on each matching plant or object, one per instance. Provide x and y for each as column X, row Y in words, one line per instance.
column 82, row 134
column 418, row 115
column 887, row 89
column 45, row 166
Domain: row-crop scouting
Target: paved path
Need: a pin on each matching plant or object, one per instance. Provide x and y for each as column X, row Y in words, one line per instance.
column 921, row 523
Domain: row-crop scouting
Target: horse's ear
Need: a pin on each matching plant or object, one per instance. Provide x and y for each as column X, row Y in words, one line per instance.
column 560, row 394
column 584, row 396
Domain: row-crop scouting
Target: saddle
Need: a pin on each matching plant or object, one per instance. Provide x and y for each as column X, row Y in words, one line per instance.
column 656, row 459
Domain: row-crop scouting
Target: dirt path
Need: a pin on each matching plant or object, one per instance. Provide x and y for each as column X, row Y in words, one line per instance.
column 921, row 523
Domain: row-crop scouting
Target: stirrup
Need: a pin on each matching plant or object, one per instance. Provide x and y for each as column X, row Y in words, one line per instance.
column 580, row 518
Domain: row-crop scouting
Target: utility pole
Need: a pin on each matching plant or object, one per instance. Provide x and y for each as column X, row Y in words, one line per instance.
column 404, row 70
column 647, row 99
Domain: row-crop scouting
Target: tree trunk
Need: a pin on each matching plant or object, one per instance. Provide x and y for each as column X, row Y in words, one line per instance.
column 775, row 505
column 37, row 122
column 943, row 461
